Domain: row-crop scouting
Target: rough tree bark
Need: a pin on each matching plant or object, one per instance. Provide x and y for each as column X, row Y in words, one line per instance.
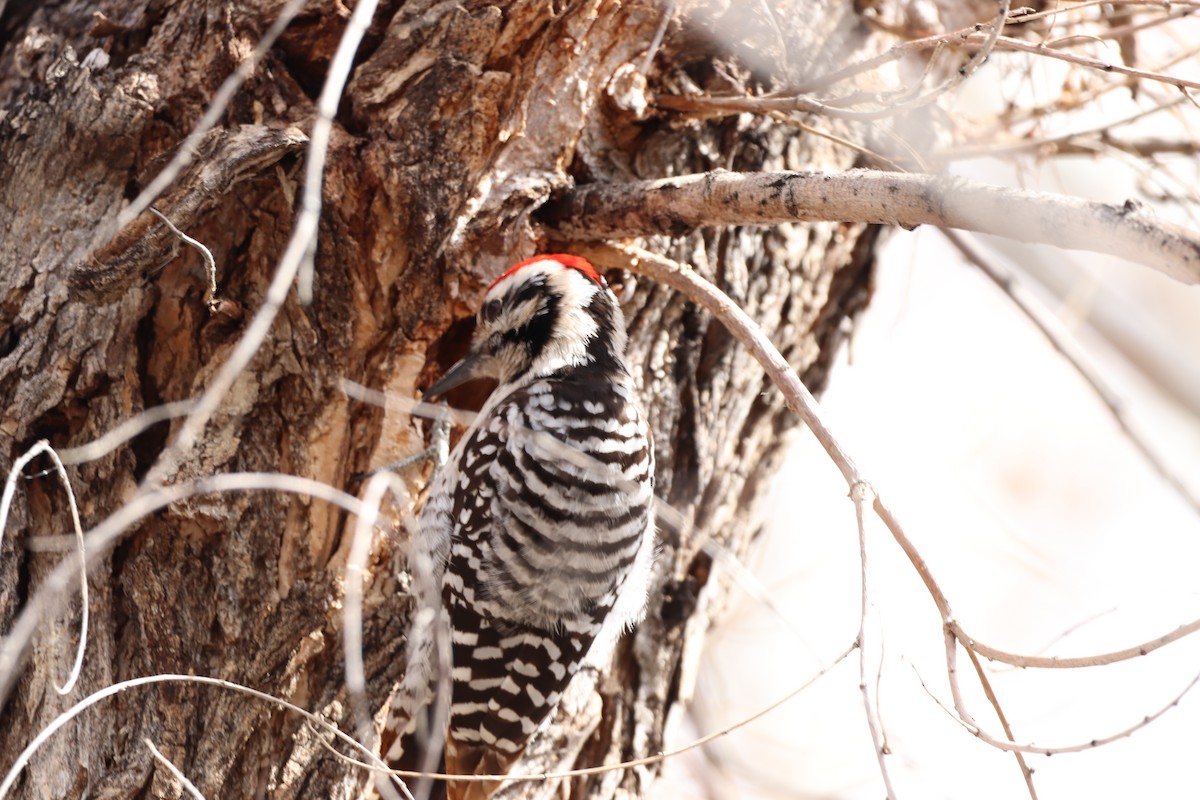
column 460, row 121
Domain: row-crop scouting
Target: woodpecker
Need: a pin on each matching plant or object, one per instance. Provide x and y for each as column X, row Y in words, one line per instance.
column 540, row 527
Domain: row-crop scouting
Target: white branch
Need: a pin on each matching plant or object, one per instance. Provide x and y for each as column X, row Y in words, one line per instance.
column 675, row 206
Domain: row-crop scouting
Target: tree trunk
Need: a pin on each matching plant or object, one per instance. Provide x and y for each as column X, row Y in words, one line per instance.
column 459, row 122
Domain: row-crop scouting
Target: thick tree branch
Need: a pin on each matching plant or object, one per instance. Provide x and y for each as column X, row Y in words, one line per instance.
column 675, row 206
column 225, row 158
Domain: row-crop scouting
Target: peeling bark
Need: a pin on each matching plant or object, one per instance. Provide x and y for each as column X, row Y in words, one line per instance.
column 674, row 206
column 461, row 120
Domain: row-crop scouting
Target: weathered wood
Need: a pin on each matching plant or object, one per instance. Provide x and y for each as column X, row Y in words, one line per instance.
column 460, row 120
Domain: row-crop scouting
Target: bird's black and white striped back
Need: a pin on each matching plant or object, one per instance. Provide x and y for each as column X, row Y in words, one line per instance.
column 542, row 519
column 548, row 530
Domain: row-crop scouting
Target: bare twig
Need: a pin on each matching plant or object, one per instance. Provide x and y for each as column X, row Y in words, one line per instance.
column 10, row 486
column 986, row 683
column 122, row 433
column 352, row 604
column 675, row 206
column 227, row 158
column 1072, row 662
column 428, row 629
column 174, row 770
column 210, row 264
column 300, row 249
column 1008, row 43
column 1058, row 10
column 668, row 13
column 352, row 598
column 1028, row 747
column 862, row 494
column 74, row 711
column 1126, row 30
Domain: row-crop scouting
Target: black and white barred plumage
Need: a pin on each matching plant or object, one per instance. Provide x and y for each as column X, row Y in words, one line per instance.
column 542, row 519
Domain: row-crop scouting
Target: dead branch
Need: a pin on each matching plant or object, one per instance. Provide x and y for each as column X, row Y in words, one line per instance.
column 225, row 158
column 675, row 206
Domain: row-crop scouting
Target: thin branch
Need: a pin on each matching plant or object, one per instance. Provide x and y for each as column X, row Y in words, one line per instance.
column 174, row 770
column 210, row 264
column 1063, row 10
column 1071, row 662
column 1126, row 30
column 352, row 599
column 990, row 693
column 352, row 605
column 862, row 494
column 429, row 626
column 1008, row 43
column 74, row 711
column 135, row 425
column 299, row 251
column 226, row 158
column 675, row 206
column 1028, row 747
column 10, row 486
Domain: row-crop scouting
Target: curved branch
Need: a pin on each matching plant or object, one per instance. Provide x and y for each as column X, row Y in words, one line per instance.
column 675, row 206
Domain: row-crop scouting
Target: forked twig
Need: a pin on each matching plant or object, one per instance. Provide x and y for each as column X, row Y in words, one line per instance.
column 802, row 402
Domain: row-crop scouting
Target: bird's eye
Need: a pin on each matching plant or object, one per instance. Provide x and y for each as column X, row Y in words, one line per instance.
column 491, row 311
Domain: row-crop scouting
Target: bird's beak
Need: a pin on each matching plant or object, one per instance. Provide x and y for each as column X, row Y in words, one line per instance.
column 458, row 374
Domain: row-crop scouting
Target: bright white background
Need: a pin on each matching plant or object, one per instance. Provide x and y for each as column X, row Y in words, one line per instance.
column 1046, row 529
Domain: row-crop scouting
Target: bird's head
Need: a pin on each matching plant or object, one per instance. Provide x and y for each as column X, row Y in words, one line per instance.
column 545, row 316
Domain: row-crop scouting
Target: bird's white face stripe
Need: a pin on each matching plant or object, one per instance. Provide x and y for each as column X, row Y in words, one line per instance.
column 573, row 329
